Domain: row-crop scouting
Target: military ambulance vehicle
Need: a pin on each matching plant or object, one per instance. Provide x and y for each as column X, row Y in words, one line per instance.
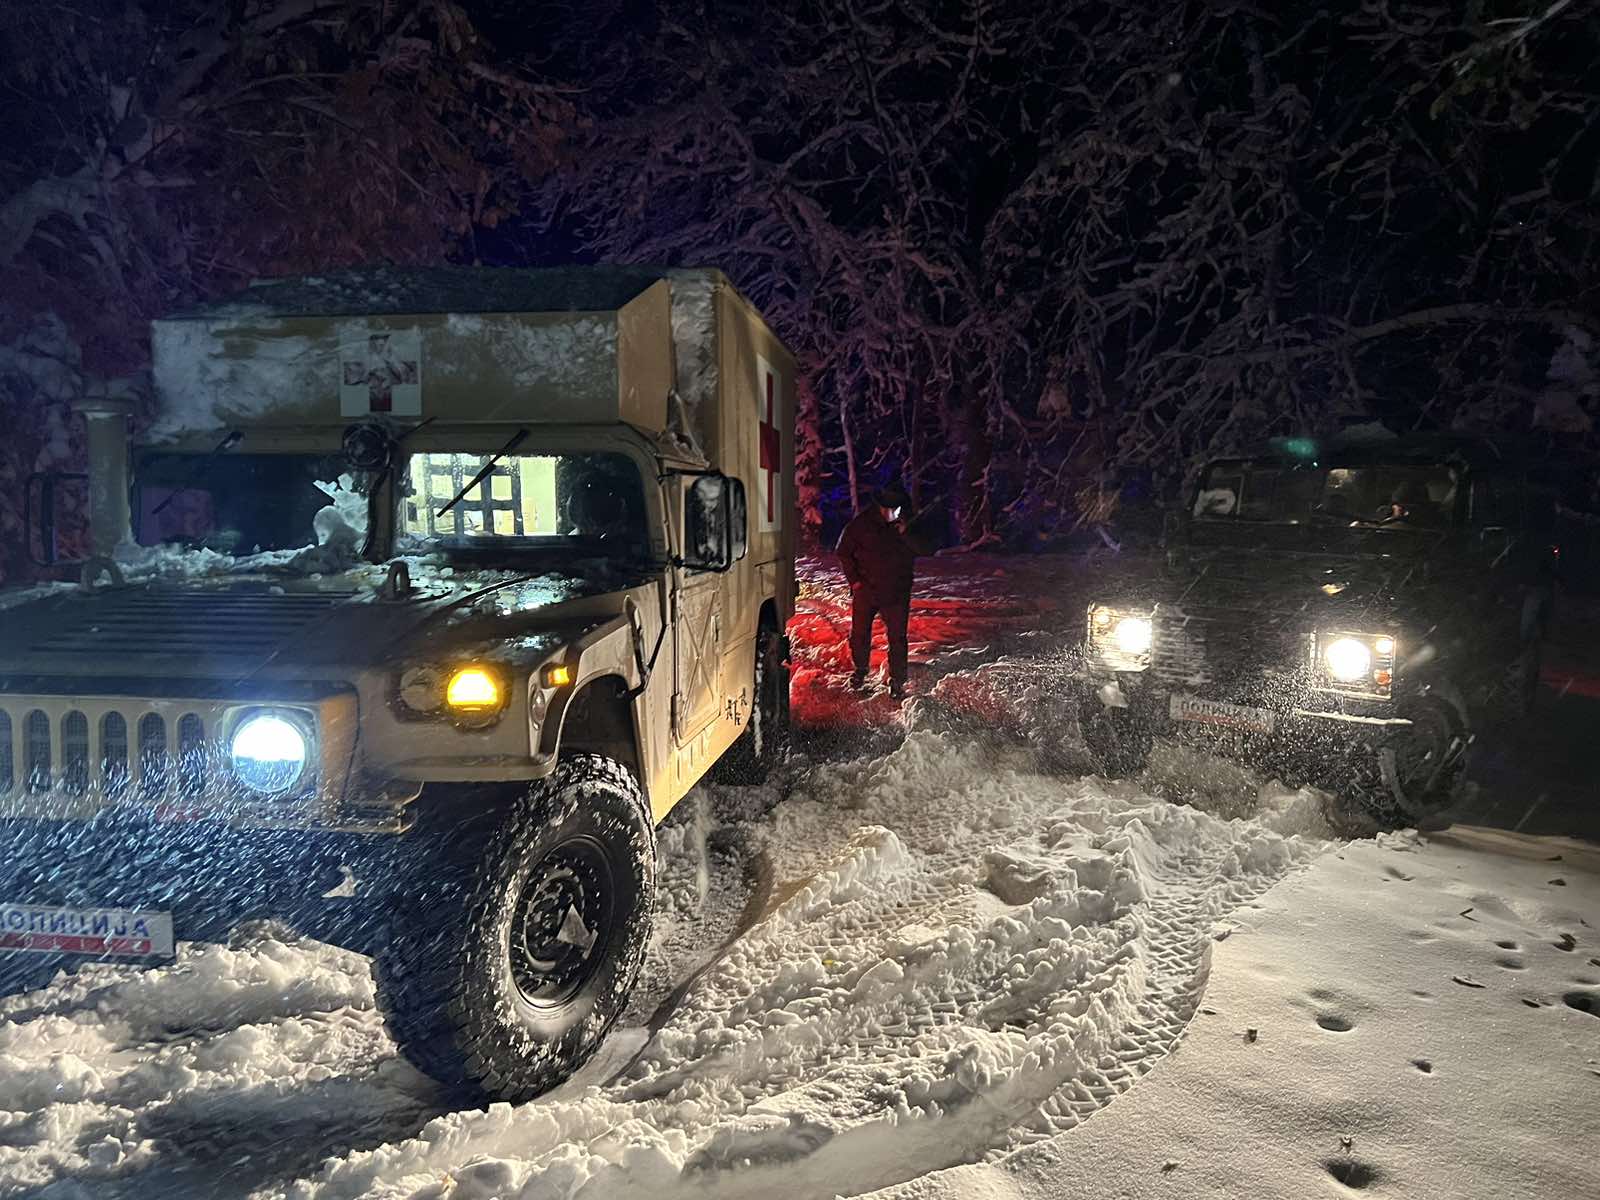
column 432, row 592
column 1350, row 613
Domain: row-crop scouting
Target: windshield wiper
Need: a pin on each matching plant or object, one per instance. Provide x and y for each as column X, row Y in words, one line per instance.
column 228, row 443
column 515, row 440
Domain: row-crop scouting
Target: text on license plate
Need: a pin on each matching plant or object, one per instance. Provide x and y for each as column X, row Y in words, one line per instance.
column 1220, row 712
column 84, row 930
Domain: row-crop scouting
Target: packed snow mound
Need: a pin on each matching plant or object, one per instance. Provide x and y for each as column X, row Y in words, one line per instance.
column 917, row 960
column 108, row 1069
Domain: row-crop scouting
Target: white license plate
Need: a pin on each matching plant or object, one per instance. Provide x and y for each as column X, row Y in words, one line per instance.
column 1220, row 712
column 103, row 931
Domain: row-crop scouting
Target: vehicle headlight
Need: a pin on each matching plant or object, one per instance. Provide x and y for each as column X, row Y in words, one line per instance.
column 1348, row 660
column 269, row 753
column 472, row 689
column 421, row 689
column 476, row 695
column 1120, row 638
column 1132, row 635
column 1360, row 664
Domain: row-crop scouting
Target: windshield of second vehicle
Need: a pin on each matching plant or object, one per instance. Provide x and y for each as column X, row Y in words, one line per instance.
column 1405, row 496
column 246, row 504
column 591, row 503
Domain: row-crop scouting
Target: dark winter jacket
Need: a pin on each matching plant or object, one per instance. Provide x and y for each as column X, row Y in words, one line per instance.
column 876, row 558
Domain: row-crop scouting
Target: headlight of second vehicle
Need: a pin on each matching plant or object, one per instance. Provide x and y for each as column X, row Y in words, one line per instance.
column 1120, row 637
column 1360, row 664
column 1348, row 660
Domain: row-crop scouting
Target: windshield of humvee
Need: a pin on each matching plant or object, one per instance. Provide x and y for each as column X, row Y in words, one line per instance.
column 244, row 504
column 588, row 503
column 1416, row 497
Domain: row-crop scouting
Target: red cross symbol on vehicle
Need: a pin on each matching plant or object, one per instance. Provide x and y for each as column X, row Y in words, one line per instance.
column 382, row 371
column 771, row 448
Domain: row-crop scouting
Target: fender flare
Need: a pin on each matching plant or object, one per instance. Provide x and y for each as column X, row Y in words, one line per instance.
column 605, row 651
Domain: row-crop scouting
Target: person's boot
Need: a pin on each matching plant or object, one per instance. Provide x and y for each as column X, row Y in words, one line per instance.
column 897, row 691
column 858, row 681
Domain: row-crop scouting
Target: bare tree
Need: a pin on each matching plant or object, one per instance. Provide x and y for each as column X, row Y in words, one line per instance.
column 182, row 149
column 1019, row 249
column 1078, row 237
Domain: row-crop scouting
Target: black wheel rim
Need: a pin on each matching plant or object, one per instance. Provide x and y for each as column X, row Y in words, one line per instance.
column 561, row 923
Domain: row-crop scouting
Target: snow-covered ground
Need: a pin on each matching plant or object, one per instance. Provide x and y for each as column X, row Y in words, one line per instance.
column 1409, row 1017
column 937, row 947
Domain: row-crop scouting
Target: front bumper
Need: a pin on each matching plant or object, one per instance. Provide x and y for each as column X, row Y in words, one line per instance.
column 223, row 872
column 1313, row 734
column 208, row 876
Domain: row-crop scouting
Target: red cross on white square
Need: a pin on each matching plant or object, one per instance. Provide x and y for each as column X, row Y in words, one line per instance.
column 381, row 373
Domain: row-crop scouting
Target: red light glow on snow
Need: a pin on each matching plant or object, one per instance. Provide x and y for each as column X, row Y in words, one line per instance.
column 951, row 611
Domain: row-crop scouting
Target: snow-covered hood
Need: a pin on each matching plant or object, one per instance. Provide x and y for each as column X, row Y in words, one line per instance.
column 229, row 631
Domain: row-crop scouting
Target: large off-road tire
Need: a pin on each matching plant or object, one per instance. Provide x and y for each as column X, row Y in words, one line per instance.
column 1420, row 777
column 1118, row 741
column 765, row 739
column 523, row 934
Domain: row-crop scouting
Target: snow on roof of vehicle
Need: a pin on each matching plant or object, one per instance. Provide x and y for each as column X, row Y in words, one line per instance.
column 396, row 291
column 580, row 345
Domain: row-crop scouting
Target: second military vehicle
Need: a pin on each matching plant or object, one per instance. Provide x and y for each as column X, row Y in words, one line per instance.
column 1350, row 613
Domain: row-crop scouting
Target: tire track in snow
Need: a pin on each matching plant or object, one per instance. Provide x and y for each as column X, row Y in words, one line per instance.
column 959, row 957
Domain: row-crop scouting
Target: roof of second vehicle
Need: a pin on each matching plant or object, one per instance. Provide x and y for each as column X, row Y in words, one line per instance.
column 1365, row 448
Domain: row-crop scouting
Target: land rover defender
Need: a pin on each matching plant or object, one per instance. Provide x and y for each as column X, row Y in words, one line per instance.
column 1350, row 614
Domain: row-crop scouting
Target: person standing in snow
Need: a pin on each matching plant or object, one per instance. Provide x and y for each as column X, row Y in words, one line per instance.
column 877, row 561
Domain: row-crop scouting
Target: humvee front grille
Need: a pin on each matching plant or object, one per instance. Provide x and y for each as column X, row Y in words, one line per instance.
column 114, row 751
column 36, row 750
column 83, row 751
column 66, row 757
column 75, row 753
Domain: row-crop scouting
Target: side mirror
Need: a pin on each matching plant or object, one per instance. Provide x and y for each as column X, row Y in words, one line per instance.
column 716, row 523
column 39, row 501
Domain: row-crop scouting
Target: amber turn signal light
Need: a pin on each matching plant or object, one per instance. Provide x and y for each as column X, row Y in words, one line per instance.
column 558, row 675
